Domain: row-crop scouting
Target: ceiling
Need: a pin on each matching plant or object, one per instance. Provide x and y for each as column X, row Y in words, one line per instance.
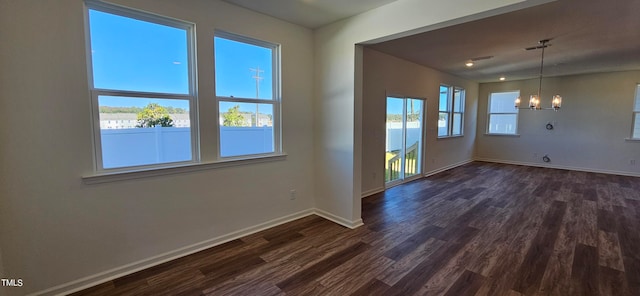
column 588, row 36
column 310, row 13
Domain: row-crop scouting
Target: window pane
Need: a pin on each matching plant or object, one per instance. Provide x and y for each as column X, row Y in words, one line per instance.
column 141, row 131
column 243, row 70
column 502, row 123
column 134, row 55
column 394, row 145
column 457, row 124
column 636, row 128
column 413, row 138
column 443, row 124
column 444, row 98
column 503, row 102
column 458, row 100
column 394, row 111
column 637, row 105
column 239, row 133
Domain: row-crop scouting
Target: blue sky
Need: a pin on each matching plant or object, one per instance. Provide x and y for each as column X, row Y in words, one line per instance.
column 128, row 54
column 394, row 105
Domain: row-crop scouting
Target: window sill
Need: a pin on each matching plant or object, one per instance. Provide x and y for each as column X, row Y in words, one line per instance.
column 503, row 135
column 632, row 139
column 99, row 178
column 450, row 137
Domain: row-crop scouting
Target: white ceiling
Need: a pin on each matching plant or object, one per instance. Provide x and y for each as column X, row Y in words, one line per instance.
column 588, row 36
column 310, row 13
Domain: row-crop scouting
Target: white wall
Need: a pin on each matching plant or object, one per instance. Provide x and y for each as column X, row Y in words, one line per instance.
column 2, row 275
column 338, row 96
column 385, row 74
column 56, row 229
column 590, row 129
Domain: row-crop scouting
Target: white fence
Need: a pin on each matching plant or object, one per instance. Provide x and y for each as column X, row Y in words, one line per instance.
column 144, row 146
column 394, row 135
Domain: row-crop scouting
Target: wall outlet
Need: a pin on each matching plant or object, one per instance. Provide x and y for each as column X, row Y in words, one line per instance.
column 374, row 175
column 632, row 162
column 535, row 156
column 292, row 194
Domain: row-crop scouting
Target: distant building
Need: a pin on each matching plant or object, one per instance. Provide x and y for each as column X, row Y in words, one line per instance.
column 129, row 120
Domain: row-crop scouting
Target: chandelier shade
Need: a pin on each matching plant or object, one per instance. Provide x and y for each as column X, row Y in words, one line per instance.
column 534, row 100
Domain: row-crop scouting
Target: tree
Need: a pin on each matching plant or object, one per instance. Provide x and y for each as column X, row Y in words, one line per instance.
column 233, row 117
column 154, row 115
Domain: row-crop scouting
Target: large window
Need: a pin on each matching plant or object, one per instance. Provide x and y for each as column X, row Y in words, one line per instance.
column 247, row 95
column 635, row 133
column 451, row 111
column 144, row 107
column 503, row 116
column 142, row 90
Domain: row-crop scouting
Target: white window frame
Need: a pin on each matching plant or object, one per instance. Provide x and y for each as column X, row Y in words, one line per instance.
column 489, row 113
column 635, row 113
column 275, row 100
column 191, row 97
column 451, row 110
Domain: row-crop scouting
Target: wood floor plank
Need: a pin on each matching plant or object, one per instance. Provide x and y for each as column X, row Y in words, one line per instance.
column 313, row 272
column 373, row 287
column 535, row 262
column 609, row 254
column 632, row 273
column 612, row 282
column 604, row 199
column 515, row 236
column 415, row 240
column 361, row 269
column 607, row 221
column 502, row 275
column 417, row 277
column 478, row 229
column 587, row 219
column 585, row 271
column 467, row 284
column 441, row 283
column 557, row 276
column 628, row 234
column 400, row 268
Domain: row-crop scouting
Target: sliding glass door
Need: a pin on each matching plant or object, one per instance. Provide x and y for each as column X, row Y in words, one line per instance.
column 403, row 155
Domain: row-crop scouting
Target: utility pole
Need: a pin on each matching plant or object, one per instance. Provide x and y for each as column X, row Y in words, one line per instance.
column 257, row 77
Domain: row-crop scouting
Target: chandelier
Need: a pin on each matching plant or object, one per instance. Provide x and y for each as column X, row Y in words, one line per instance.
column 534, row 100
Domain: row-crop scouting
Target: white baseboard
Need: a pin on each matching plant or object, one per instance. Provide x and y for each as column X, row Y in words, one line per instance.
column 108, row 275
column 339, row 220
column 442, row 169
column 372, row 192
column 561, row 167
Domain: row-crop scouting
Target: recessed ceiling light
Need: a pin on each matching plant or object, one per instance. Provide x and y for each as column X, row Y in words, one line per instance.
column 502, row 78
column 469, row 64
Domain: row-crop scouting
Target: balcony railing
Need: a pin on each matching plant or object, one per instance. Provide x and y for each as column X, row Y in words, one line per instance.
column 394, row 164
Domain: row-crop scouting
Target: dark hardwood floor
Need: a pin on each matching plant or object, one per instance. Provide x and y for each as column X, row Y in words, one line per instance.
column 479, row 229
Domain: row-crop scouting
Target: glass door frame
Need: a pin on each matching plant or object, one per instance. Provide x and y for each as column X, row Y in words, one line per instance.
column 421, row 146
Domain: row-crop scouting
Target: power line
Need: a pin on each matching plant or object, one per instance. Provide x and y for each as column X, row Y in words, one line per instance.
column 257, row 77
